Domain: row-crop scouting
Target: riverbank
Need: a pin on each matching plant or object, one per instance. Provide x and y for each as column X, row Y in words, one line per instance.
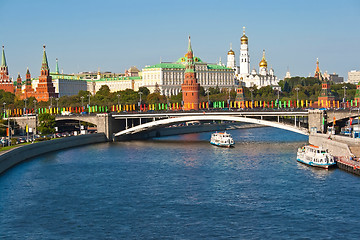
column 344, row 149
column 19, row 154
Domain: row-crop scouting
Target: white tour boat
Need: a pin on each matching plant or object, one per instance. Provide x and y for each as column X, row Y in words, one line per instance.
column 222, row 139
column 315, row 156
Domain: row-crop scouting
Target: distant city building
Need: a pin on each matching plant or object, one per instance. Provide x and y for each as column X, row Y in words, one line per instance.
column 354, row 77
column 168, row 76
column 264, row 78
column 335, row 78
column 287, row 75
column 132, row 72
column 6, row 83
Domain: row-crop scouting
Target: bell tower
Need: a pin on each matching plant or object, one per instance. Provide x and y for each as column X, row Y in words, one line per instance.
column 244, row 56
column 190, row 87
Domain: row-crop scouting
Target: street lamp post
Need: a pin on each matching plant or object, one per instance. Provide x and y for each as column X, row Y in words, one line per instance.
column 35, row 106
column 82, row 101
column 207, row 92
column 297, row 95
column 118, row 96
column 252, row 101
column 57, row 103
column 89, row 99
column 27, row 124
column 229, row 99
column 25, row 100
column 344, row 87
column 4, row 107
column 51, row 102
column 140, row 93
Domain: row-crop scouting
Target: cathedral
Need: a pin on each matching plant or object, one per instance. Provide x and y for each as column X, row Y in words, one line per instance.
column 264, row 77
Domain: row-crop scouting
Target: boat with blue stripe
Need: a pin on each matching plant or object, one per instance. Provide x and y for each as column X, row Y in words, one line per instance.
column 315, row 156
column 222, row 139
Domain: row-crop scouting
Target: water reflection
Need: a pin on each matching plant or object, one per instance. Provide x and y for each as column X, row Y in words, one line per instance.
column 315, row 172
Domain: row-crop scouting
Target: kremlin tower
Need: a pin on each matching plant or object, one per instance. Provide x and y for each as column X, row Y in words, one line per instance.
column 18, row 92
column 29, row 91
column 5, row 83
column 325, row 94
column 190, row 87
column 45, row 89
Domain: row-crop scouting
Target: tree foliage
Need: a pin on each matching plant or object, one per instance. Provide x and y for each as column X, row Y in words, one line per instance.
column 46, row 123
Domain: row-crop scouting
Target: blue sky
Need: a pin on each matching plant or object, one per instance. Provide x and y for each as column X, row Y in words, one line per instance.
column 115, row 35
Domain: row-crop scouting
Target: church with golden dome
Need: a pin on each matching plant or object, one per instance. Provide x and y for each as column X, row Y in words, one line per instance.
column 264, row 76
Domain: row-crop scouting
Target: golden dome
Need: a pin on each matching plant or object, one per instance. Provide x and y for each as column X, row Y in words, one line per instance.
column 263, row 62
column 244, row 39
column 231, row 52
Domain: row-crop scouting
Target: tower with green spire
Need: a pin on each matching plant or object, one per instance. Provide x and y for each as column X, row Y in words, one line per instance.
column 45, row 89
column 6, row 84
column 4, row 74
column 57, row 67
column 190, row 87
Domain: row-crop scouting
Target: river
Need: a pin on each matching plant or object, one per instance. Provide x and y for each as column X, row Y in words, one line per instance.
column 180, row 187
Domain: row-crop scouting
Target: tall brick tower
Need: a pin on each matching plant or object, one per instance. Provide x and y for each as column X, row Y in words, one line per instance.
column 45, row 88
column 29, row 91
column 18, row 92
column 190, row 87
column 5, row 83
column 325, row 94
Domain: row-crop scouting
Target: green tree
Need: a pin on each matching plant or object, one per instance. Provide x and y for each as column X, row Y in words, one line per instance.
column 144, row 90
column 155, row 98
column 46, row 123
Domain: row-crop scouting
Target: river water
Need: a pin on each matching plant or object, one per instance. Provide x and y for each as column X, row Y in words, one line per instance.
column 180, row 188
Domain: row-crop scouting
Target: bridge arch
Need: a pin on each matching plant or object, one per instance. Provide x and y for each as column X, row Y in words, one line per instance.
column 169, row 121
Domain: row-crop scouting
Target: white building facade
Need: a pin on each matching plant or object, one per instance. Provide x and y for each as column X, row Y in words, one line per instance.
column 168, row 76
column 353, row 77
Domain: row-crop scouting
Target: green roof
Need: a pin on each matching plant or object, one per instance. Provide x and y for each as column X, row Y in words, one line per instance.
column 167, row 65
column 214, row 66
column 114, row 79
column 184, row 60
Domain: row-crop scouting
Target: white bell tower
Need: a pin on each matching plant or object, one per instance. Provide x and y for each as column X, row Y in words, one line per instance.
column 244, row 56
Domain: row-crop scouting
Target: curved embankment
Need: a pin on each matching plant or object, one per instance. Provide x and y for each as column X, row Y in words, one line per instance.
column 14, row 156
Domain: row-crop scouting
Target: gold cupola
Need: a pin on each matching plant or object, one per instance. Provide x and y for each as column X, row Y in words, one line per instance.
column 231, row 52
column 244, row 38
column 263, row 62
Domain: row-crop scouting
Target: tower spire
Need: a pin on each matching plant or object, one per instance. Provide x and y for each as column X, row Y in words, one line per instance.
column 244, row 30
column 3, row 59
column 189, row 46
column 44, row 65
column 230, row 46
column 57, row 67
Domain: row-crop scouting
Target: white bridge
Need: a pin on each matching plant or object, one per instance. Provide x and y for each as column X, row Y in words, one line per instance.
column 160, row 120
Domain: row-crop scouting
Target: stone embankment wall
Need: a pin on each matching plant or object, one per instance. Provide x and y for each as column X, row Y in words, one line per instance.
column 14, row 156
column 335, row 147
